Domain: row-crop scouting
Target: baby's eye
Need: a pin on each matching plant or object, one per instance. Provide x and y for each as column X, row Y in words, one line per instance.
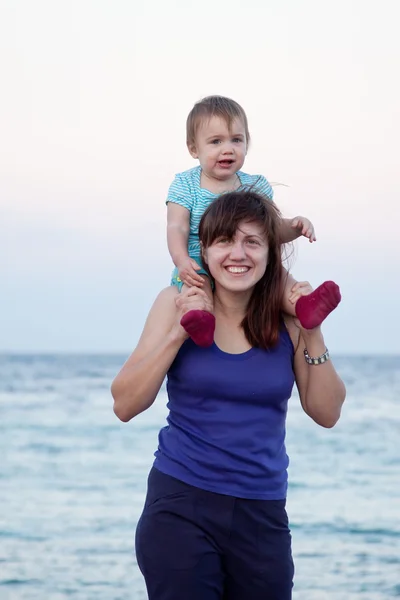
column 216, row 141
column 237, row 140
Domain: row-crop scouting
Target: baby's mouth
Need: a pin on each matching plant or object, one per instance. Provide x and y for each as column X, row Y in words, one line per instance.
column 226, row 162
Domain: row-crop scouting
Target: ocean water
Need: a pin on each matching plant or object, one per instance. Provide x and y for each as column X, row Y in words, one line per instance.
column 72, row 484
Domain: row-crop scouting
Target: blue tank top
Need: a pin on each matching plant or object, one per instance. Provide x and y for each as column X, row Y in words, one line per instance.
column 226, row 422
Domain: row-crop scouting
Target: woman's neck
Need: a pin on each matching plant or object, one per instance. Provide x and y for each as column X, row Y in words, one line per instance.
column 229, row 310
column 231, row 305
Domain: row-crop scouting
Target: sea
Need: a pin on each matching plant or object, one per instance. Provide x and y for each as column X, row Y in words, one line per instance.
column 73, row 480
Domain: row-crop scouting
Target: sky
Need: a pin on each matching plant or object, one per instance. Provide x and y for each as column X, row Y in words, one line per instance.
column 93, row 103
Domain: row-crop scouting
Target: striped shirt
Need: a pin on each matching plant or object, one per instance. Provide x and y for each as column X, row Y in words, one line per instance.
column 187, row 191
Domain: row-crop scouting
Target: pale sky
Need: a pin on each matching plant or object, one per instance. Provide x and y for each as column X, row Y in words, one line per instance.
column 93, row 102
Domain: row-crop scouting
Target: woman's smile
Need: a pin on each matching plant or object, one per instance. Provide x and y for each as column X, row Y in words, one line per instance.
column 236, row 270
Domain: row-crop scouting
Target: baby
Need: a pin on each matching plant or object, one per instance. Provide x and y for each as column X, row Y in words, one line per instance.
column 218, row 137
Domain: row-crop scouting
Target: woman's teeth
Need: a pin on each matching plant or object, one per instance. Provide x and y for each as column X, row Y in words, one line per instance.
column 237, row 269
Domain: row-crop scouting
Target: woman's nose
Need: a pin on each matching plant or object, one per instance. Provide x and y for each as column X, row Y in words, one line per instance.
column 237, row 251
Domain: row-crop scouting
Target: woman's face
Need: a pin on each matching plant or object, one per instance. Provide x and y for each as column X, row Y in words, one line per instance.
column 238, row 264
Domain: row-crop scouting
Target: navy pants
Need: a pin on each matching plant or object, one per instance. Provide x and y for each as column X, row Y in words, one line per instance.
column 197, row 545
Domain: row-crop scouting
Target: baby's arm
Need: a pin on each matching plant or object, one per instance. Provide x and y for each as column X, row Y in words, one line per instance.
column 310, row 308
column 177, row 232
column 178, row 226
column 291, row 229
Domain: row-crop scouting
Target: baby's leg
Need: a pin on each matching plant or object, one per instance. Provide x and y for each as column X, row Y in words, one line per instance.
column 311, row 310
column 200, row 324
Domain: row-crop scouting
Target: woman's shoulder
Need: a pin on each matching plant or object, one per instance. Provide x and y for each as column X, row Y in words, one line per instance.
column 162, row 314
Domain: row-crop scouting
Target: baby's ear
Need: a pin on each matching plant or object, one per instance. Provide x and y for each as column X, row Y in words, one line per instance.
column 192, row 150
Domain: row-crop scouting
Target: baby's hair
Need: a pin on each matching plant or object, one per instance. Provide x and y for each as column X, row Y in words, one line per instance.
column 214, row 106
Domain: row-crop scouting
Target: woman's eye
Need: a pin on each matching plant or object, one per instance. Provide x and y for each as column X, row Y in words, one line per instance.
column 253, row 242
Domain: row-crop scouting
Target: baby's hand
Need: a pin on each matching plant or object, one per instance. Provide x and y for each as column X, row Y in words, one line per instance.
column 305, row 226
column 187, row 272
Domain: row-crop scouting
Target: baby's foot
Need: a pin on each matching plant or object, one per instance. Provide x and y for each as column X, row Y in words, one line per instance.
column 311, row 310
column 200, row 325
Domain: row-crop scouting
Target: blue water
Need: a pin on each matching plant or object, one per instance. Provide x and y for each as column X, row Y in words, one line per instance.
column 73, row 480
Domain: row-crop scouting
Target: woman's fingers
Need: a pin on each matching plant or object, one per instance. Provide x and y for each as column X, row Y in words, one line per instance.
column 194, row 291
column 301, row 288
column 301, row 285
column 193, row 299
column 191, row 296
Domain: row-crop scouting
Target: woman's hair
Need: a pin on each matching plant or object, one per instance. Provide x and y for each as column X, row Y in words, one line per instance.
column 222, row 218
column 214, row 106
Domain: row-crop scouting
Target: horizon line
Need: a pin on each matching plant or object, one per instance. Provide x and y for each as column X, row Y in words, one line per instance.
column 122, row 352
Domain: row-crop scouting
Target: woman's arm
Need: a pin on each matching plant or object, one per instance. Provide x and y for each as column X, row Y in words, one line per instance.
column 321, row 390
column 136, row 386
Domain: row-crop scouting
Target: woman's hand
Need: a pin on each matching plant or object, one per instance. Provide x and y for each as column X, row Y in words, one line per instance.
column 301, row 288
column 304, row 288
column 192, row 299
column 195, row 309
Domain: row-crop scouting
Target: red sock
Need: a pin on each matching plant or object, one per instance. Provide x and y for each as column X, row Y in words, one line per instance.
column 311, row 310
column 200, row 325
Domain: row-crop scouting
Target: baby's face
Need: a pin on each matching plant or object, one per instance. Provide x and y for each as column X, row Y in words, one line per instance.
column 221, row 151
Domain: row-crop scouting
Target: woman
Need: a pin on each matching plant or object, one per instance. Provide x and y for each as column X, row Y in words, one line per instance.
column 214, row 525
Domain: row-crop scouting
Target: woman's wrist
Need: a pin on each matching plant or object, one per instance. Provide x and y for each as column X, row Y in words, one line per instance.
column 313, row 341
column 176, row 336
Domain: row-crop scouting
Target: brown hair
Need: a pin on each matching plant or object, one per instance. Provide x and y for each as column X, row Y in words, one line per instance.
column 222, row 218
column 212, row 106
